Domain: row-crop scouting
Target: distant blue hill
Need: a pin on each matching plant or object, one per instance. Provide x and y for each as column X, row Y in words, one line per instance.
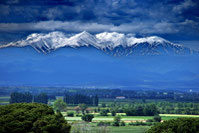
column 88, row 66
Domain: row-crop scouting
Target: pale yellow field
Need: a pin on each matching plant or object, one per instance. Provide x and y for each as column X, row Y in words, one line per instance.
column 179, row 115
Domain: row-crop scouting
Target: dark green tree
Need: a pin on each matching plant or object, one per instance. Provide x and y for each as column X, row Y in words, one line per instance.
column 28, row 97
column 41, row 98
column 59, row 105
column 17, row 97
column 113, row 112
column 150, row 110
column 96, row 100
column 142, row 110
column 157, row 118
column 104, row 112
column 87, row 117
column 179, row 125
column 31, row 117
column 81, row 99
column 117, row 120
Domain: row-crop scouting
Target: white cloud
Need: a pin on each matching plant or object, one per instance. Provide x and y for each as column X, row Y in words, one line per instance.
column 77, row 26
column 183, row 6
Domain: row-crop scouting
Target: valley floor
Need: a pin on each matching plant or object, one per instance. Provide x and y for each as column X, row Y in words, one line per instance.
column 93, row 128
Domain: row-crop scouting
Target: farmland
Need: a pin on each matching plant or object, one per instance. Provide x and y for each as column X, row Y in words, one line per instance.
column 131, row 118
column 136, row 115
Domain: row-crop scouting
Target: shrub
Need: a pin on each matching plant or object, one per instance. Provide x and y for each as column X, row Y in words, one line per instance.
column 157, row 118
column 117, row 120
column 122, row 123
column 104, row 112
column 71, row 114
column 150, row 120
column 87, row 117
column 102, row 123
column 113, row 113
column 137, row 123
column 79, row 115
column 150, row 123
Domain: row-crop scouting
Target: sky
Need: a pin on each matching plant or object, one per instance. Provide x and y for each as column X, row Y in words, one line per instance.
column 175, row 20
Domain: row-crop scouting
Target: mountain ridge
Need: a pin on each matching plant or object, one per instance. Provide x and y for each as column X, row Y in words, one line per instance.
column 110, row 42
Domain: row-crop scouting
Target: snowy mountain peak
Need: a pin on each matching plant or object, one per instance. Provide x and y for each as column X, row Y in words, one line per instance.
column 83, row 39
column 113, row 39
column 156, row 39
column 153, row 40
column 112, row 42
column 84, row 33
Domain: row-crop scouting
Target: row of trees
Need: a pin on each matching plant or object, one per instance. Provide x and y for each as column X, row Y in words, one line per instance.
column 144, row 110
column 135, row 109
column 81, row 99
column 178, row 108
column 27, row 97
column 173, row 95
column 164, row 107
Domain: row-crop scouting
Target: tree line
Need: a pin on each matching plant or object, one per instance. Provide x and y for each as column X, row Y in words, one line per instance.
column 173, row 95
column 144, row 110
column 170, row 95
column 17, row 97
column 81, row 99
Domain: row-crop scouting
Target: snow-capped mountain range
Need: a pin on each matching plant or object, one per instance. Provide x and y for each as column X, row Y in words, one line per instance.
column 113, row 43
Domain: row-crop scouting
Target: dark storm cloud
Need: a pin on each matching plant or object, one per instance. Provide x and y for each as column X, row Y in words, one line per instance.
column 138, row 16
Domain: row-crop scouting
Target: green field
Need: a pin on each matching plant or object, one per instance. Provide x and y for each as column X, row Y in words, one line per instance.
column 110, row 118
column 174, row 116
column 4, row 100
column 130, row 118
column 93, row 128
column 129, row 129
